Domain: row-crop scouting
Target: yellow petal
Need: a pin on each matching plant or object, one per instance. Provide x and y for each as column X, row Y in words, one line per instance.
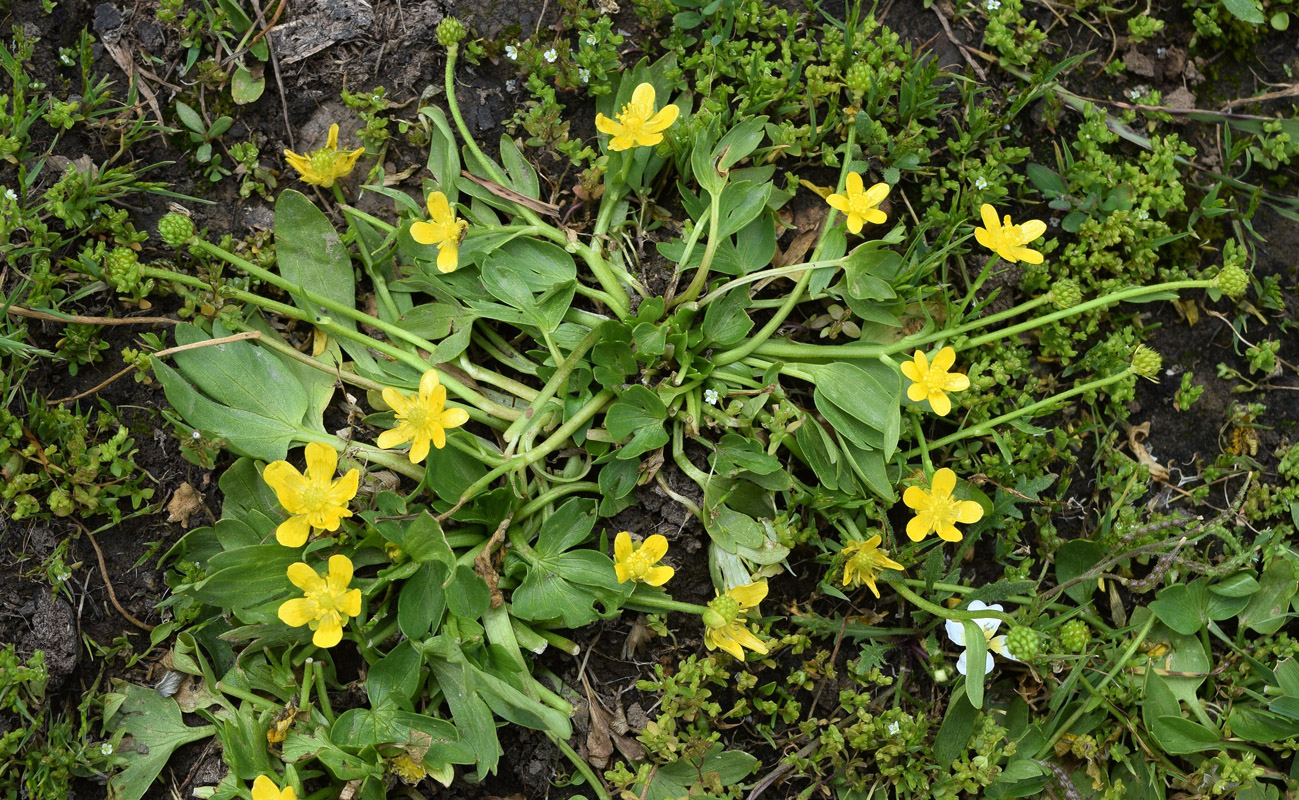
column 838, row 202
column 1032, row 229
column 1026, row 255
column 351, row 603
column 915, row 498
column 855, row 222
column 854, row 184
column 657, row 576
column 715, row 639
column 989, row 216
column 750, row 594
column 331, row 143
column 428, row 384
column 329, row 633
column 910, row 370
column 621, row 571
column 745, row 638
column 425, row 232
column 919, row 526
column 643, row 95
column 322, row 461
column 876, row 194
column 293, row 532
column 968, row 511
column 957, row 382
column 448, row 257
column 945, row 359
column 340, row 572
column 288, row 484
column 622, row 548
column 438, row 436
column 605, row 125
column 939, row 403
column 265, row 789
column 398, row 402
column 655, row 546
column 454, row 417
column 916, row 392
column 298, row 612
column 418, row 448
column 344, row 489
column 869, row 580
column 944, row 482
column 439, row 208
column 984, row 238
column 304, row 577
column 663, row 119
column 949, row 533
column 394, row 437
column 874, row 216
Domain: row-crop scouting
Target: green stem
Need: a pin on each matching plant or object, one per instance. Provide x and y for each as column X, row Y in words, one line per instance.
column 923, row 447
column 652, row 604
column 322, row 694
column 774, row 272
column 582, row 767
column 560, row 378
column 234, row 691
column 557, row 493
column 945, row 613
column 700, row 280
column 983, row 428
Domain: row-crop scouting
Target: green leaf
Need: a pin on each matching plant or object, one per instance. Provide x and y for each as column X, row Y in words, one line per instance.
column 443, row 155
column 1268, row 609
column 1182, row 607
column 870, row 395
column 1046, row 181
column 422, row 601
column 562, row 583
column 467, row 593
column 957, row 728
column 869, row 465
column 395, row 677
column 868, row 271
column 245, row 87
column 311, row 255
column 190, row 118
column 1074, row 558
column 1180, row 736
column 1245, row 10
column 725, row 322
column 472, row 715
column 976, row 661
column 675, row 780
column 638, row 416
column 739, row 142
column 1261, row 727
column 521, row 173
column 155, row 724
column 568, row 527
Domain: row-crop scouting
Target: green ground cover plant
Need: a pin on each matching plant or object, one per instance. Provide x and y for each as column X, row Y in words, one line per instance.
column 805, row 294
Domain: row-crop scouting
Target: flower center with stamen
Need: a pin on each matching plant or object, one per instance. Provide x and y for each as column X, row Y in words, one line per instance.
column 634, row 116
column 417, row 417
column 639, row 563
column 726, row 607
column 944, row 510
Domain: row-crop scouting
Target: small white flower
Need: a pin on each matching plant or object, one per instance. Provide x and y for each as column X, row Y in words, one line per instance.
column 550, row 56
column 591, row 40
column 711, row 397
column 980, row 183
column 511, row 85
column 1143, row 214
column 11, row 195
column 512, row 52
column 196, row 436
column 893, row 728
column 996, row 644
column 1055, row 222
column 584, row 75
column 1160, row 52
column 106, row 748
column 992, row 5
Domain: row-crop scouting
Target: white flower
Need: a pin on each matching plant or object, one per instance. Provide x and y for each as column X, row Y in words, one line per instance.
column 980, row 183
column 196, row 436
column 584, row 75
column 511, row 85
column 11, row 195
column 1055, row 222
column 550, row 56
column 106, row 748
column 996, row 644
column 1160, row 52
column 591, row 40
column 893, row 728
column 711, row 397
column 62, row 576
column 1143, row 214
column 512, row 52
column 992, row 5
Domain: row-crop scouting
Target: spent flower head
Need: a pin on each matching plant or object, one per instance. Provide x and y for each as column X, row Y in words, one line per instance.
column 327, row 603
column 932, row 381
column 444, row 230
column 638, row 124
column 640, row 561
column 265, row 789
column 937, row 511
column 996, row 644
column 1007, row 239
column 859, row 204
column 322, row 167
column 1146, row 363
column 863, row 563
column 314, row 500
column 723, row 627
column 422, row 418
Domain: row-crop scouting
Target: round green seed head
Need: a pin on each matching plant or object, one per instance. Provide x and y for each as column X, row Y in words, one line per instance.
column 1233, row 281
column 175, row 229
column 1066, row 293
column 451, row 31
column 1146, row 362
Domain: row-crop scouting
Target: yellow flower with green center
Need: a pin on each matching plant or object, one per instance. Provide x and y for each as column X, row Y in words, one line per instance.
column 265, row 789
column 314, row 500
column 1007, row 239
column 722, row 626
column 932, row 381
column 421, row 418
column 937, row 511
column 328, row 603
column 860, row 204
column 865, row 561
column 444, row 230
column 322, row 167
column 637, row 124
column 640, row 562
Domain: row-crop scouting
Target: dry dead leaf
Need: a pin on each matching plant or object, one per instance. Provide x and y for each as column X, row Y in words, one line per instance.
column 185, row 503
column 1137, row 434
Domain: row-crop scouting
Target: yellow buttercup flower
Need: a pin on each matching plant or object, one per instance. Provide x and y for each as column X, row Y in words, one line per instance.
column 932, row 381
column 937, row 511
column 637, row 124
column 445, row 231
column 860, row 204
column 640, row 562
column 314, row 500
column 328, row 603
column 265, row 789
column 865, row 561
column 722, row 626
column 1006, row 239
column 322, row 167
column 421, row 418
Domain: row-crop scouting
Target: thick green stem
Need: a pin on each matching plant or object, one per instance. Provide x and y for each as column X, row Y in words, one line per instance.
column 700, row 280
column 560, row 378
column 984, row 428
column 945, row 613
column 652, row 604
column 762, row 275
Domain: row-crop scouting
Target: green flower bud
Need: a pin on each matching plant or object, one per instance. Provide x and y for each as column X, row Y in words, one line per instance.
column 175, row 229
column 1146, row 363
column 1066, row 293
column 1022, row 642
column 1075, row 635
column 1232, row 280
column 451, row 31
column 122, row 269
column 858, row 79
